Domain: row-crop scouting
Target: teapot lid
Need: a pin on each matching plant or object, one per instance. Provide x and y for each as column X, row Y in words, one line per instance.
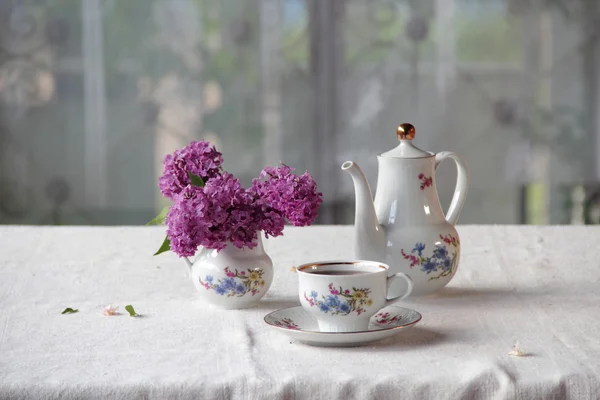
column 406, row 133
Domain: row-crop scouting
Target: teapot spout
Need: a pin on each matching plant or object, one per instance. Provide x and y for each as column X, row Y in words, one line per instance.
column 369, row 235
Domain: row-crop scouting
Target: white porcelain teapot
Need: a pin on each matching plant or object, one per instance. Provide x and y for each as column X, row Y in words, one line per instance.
column 405, row 226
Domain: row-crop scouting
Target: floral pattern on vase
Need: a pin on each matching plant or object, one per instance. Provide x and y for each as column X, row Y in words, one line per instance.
column 442, row 261
column 426, row 181
column 236, row 283
column 385, row 318
column 340, row 301
column 287, row 323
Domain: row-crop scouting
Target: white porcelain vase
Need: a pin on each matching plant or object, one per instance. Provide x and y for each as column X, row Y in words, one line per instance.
column 232, row 278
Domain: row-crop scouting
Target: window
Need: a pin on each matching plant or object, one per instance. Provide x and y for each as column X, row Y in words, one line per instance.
column 93, row 93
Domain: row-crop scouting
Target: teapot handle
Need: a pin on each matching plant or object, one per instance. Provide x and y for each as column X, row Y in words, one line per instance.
column 462, row 184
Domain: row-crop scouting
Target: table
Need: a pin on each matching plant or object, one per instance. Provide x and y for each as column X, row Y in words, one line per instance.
column 537, row 285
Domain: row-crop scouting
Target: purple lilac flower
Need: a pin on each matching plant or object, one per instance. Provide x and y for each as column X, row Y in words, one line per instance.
column 231, row 213
column 212, row 216
column 186, row 225
column 270, row 220
column 244, row 222
column 223, row 212
column 294, row 196
column 199, row 158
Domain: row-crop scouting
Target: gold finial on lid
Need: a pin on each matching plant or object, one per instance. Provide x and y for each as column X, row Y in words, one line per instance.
column 406, row 131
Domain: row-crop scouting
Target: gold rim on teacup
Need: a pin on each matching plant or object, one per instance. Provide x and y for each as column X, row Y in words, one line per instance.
column 323, row 264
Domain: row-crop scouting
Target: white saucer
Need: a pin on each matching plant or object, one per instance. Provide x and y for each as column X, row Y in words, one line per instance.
column 300, row 325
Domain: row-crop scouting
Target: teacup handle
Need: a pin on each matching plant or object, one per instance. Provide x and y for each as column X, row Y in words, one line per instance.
column 391, row 279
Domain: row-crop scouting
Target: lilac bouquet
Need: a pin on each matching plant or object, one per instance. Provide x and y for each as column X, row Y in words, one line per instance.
column 212, row 209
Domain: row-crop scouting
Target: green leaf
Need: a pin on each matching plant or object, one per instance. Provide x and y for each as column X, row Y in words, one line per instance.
column 165, row 246
column 160, row 218
column 130, row 310
column 195, row 179
column 69, row 310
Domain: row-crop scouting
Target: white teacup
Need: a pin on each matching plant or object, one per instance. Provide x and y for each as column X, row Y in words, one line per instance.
column 344, row 295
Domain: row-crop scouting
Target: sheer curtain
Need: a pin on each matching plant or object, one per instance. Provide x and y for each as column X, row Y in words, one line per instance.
column 93, row 94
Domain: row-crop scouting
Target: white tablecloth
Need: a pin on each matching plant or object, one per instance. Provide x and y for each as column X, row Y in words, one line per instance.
column 537, row 285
